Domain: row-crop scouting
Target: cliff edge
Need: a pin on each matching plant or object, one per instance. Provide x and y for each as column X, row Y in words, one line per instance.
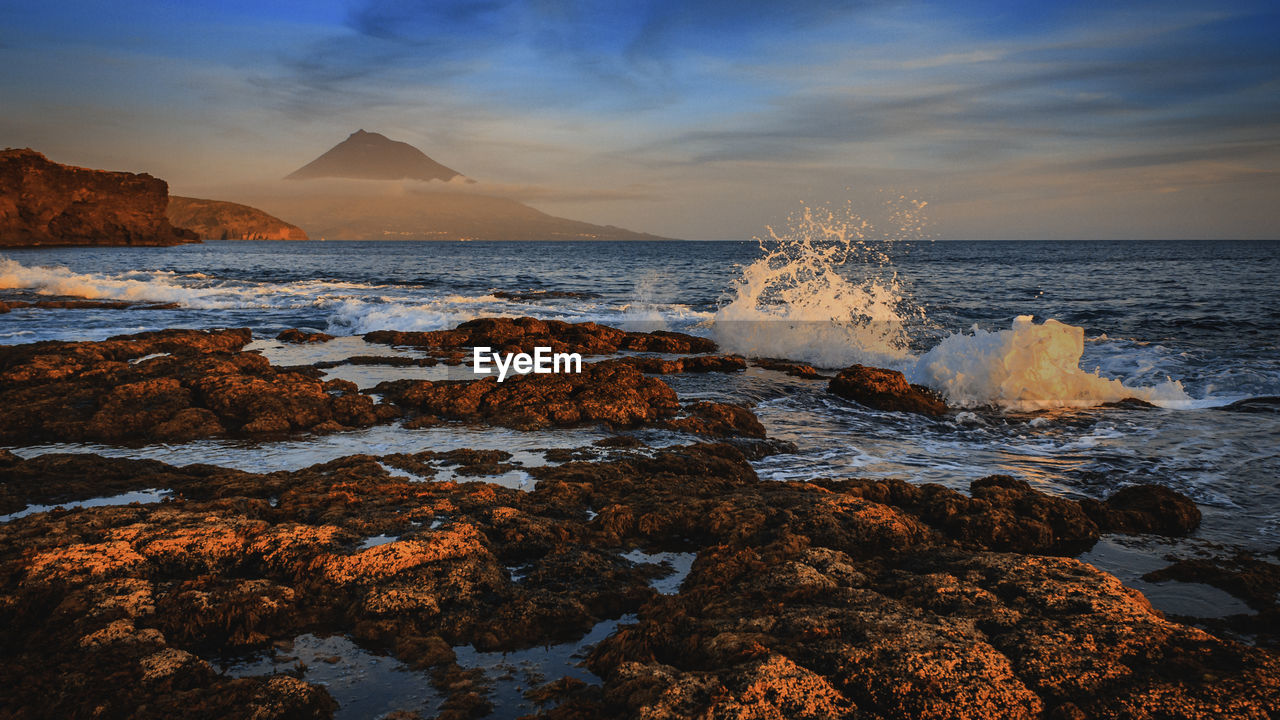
column 219, row 220
column 46, row 203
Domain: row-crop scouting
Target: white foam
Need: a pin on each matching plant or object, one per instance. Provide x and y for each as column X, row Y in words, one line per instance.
column 798, row 301
column 1028, row 367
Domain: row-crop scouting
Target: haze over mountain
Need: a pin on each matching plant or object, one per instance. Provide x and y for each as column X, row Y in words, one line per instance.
column 373, row 156
column 369, row 187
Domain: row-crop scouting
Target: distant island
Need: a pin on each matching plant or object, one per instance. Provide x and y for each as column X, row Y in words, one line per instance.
column 371, row 156
column 422, row 213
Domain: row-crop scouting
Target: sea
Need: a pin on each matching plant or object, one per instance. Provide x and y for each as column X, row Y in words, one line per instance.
column 1034, row 341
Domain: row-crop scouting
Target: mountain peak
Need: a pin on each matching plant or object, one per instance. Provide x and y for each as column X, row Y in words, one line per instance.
column 373, row 156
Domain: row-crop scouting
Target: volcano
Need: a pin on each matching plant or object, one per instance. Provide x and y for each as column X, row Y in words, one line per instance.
column 372, row 156
column 356, row 192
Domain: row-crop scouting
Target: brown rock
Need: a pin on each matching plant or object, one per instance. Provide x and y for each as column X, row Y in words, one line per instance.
column 806, row 599
column 719, row 419
column 167, row 386
column 44, row 203
column 1146, row 509
column 220, row 220
column 696, row 363
column 524, row 334
column 294, row 335
column 885, row 390
column 793, row 369
column 612, row 393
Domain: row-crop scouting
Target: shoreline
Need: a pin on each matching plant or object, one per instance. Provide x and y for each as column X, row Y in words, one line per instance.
column 820, row 598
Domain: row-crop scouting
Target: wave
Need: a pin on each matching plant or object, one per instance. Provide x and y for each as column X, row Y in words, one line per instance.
column 1025, row 368
column 63, row 281
column 823, row 291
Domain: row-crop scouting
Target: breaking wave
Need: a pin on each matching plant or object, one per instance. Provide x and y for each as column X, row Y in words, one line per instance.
column 1025, row 368
column 824, row 291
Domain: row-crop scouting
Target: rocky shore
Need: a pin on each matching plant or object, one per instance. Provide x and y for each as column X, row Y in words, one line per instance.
column 45, row 203
column 803, row 599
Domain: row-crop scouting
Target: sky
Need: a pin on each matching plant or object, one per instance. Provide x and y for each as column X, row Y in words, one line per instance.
column 699, row 119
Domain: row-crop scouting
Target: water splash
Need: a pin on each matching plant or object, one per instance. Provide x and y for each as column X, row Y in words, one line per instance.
column 825, row 291
column 1026, row 368
column 645, row 313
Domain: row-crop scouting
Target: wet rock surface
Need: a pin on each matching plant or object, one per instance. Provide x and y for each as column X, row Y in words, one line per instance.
column 885, row 390
column 693, row 364
column 169, row 385
column 81, row 304
column 612, row 392
column 1251, row 577
column 294, row 335
column 511, row 335
column 794, row 369
column 851, row 598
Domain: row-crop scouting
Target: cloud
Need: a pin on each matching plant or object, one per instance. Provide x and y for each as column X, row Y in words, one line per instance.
column 1038, row 100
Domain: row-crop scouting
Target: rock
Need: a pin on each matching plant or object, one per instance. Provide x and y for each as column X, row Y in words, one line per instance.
column 849, row 598
column 719, row 419
column 1246, row 576
column 166, row 386
column 885, row 390
column 611, row 393
column 82, row 304
column 793, row 369
column 294, row 335
column 1146, row 509
column 387, row 360
column 696, row 363
column 219, row 220
column 44, row 203
column 509, row 335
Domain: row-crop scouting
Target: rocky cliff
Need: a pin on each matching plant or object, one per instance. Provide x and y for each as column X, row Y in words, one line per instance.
column 45, row 203
column 218, row 220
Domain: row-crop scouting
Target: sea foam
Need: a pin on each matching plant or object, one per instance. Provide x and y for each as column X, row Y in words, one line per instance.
column 824, row 291
column 1027, row 367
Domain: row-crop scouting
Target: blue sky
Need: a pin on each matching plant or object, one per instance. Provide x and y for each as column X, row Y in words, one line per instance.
column 699, row 119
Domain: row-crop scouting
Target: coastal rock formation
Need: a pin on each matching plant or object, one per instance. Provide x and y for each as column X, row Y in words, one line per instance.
column 821, row 600
column 219, row 220
column 511, row 335
column 611, row 393
column 694, row 364
column 1146, row 509
column 165, row 386
column 45, row 203
column 1251, row 577
column 794, row 369
column 885, row 390
column 294, row 335
column 81, row 304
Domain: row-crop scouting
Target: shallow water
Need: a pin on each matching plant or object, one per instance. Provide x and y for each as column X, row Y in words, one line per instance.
column 1204, row 314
